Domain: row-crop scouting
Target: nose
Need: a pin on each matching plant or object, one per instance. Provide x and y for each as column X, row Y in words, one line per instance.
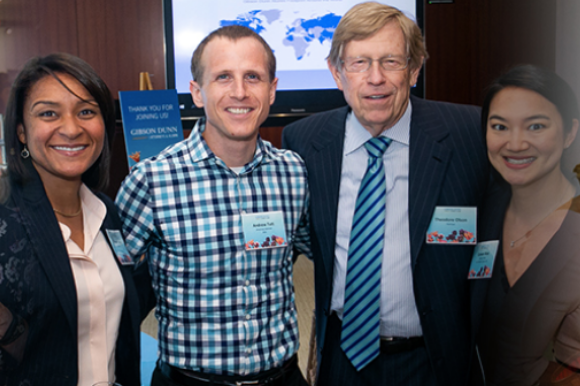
column 239, row 90
column 71, row 126
column 517, row 140
column 376, row 74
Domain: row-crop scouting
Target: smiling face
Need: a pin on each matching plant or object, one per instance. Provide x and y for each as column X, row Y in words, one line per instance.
column 377, row 97
column 235, row 90
column 64, row 134
column 526, row 137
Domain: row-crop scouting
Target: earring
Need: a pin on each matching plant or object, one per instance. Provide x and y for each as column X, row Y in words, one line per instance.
column 25, row 153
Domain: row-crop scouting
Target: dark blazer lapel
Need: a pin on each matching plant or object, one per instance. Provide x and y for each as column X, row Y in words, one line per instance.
column 130, row 304
column 46, row 238
column 428, row 160
column 552, row 260
column 493, row 212
column 325, row 166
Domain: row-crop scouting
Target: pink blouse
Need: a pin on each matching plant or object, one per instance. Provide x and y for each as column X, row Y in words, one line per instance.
column 100, row 294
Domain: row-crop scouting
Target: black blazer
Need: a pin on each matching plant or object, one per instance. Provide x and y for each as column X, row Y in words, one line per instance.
column 38, row 285
column 448, row 167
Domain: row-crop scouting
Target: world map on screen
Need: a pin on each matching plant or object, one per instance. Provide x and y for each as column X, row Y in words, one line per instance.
column 304, row 36
column 298, row 31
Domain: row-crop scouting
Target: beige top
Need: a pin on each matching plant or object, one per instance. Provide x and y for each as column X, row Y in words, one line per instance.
column 100, row 294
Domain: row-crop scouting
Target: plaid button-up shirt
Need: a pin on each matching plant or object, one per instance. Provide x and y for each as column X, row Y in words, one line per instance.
column 221, row 308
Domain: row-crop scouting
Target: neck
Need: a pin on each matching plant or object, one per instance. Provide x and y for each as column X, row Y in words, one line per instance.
column 233, row 153
column 541, row 198
column 64, row 196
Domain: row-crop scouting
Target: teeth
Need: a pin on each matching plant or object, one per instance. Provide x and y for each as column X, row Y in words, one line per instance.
column 376, row 96
column 239, row 110
column 64, row 148
column 520, row 161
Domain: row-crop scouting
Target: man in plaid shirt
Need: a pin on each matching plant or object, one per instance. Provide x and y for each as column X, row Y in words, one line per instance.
column 218, row 216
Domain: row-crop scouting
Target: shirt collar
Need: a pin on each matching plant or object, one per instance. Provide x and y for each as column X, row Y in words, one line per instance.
column 199, row 150
column 356, row 135
column 94, row 213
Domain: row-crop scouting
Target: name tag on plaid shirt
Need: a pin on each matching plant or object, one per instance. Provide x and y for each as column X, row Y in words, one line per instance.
column 264, row 230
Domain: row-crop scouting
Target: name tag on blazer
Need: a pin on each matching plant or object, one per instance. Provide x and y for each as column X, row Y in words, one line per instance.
column 119, row 248
column 483, row 259
column 453, row 225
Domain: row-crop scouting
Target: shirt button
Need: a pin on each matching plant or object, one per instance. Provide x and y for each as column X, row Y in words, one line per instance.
column 248, row 317
column 249, row 351
column 247, row 282
column 243, row 212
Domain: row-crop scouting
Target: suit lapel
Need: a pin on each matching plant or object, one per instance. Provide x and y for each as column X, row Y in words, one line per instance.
column 46, row 238
column 428, row 160
column 326, row 164
column 498, row 198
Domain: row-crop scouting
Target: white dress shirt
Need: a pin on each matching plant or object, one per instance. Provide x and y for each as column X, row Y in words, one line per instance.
column 399, row 316
column 100, row 294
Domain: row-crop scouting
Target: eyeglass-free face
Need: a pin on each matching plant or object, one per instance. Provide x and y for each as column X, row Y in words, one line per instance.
column 236, row 91
column 63, row 130
column 377, row 97
column 526, row 138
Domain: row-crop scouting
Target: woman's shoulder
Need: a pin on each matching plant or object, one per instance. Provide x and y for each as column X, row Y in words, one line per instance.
column 106, row 200
column 575, row 206
column 9, row 209
column 4, row 187
column 112, row 219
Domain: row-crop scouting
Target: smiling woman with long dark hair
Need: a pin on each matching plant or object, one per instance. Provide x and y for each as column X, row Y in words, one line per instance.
column 531, row 327
column 69, row 312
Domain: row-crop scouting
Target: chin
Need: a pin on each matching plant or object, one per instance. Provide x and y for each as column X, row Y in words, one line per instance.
column 518, row 181
column 242, row 137
column 243, row 133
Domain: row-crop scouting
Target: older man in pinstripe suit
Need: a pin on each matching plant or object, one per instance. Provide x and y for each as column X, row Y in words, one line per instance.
column 436, row 157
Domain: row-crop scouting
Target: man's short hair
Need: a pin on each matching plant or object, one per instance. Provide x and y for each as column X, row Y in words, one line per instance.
column 234, row 33
column 365, row 19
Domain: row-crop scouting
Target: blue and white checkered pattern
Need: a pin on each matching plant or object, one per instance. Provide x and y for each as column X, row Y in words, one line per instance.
column 221, row 309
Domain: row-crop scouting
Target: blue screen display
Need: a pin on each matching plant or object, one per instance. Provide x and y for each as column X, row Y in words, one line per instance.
column 299, row 32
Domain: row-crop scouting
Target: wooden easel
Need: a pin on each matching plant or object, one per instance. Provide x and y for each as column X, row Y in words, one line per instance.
column 145, row 82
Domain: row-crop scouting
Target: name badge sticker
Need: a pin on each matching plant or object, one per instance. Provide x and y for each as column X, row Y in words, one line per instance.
column 118, row 244
column 452, row 225
column 264, row 230
column 483, row 260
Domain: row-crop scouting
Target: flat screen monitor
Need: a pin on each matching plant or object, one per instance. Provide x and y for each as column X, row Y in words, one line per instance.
column 298, row 31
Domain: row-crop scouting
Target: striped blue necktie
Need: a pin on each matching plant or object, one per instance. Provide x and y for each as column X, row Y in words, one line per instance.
column 360, row 337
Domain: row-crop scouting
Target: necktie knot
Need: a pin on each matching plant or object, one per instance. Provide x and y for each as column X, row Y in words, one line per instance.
column 377, row 146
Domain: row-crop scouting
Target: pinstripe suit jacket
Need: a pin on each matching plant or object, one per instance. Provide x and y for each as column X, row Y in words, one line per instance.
column 37, row 283
column 448, row 167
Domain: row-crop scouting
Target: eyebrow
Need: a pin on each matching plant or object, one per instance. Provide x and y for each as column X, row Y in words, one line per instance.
column 42, row 103
column 539, row 116
column 51, row 103
column 496, row 117
column 533, row 117
column 234, row 70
